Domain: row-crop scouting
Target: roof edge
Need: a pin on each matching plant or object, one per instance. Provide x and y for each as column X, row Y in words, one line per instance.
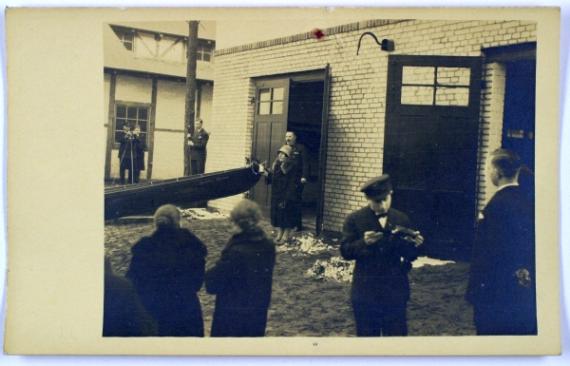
column 350, row 27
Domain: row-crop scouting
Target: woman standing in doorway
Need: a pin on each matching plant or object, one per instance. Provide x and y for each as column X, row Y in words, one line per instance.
column 283, row 193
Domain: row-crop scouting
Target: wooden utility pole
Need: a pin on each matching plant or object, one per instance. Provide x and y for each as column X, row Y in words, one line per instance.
column 189, row 113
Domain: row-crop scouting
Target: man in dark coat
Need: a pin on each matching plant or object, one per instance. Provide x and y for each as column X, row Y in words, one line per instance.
column 502, row 286
column 301, row 163
column 242, row 278
column 131, row 155
column 197, row 144
column 124, row 314
column 379, row 238
column 167, row 269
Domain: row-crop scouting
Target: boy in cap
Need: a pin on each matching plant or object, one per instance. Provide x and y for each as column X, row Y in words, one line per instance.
column 378, row 238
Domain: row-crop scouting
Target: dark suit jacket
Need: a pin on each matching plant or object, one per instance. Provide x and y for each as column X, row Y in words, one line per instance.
column 200, row 140
column 381, row 271
column 242, row 280
column 504, row 244
column 301, row 159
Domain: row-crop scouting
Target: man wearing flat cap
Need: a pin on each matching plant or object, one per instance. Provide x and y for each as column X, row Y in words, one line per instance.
column 381, row 241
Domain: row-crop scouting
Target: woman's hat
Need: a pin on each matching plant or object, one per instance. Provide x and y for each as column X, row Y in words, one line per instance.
column 286, row 149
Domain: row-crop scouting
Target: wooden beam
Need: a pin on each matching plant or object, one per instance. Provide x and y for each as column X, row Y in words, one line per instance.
column 150, row 131
column 110, row 125
column 189, row 113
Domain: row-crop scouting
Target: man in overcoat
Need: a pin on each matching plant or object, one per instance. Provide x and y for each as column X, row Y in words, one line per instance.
column 197, row 143
column 380, row 240
column 502, row 283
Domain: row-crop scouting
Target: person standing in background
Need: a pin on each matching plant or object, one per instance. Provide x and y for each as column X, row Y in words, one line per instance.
column 198, row 152
column 301, row 172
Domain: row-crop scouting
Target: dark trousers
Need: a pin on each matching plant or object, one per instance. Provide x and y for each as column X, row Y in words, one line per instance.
column 197, row 166
column 132, row 178
column 373, row 320
column 515, row 319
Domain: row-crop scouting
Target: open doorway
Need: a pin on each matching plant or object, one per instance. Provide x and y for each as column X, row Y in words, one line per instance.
column 293, row 102
column 305, row 119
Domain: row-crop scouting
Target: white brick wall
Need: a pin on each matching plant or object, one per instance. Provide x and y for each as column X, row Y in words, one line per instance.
column 357, row 95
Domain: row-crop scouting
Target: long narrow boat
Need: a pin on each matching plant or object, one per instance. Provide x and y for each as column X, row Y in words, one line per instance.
column 145, row 198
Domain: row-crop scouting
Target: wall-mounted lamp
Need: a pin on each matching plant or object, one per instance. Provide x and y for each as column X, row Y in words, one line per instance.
column 385, row 45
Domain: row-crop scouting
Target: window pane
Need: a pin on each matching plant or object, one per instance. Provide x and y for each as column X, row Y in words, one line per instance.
column 278, row 94
column 128, row 46
column 132, row 112
column 264, row 107
column 121, row 111
column 143, row 125
column 418, row 95
column 143, row 113
column 424, row 75
column 277, row 108
column 453, row 75
column 452, row 96
column 264, row 95
column 206, row 57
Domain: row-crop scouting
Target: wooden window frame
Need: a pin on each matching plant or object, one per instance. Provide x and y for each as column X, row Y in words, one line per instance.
column 148, row 106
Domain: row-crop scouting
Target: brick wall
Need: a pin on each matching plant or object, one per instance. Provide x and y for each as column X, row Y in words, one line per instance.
column 357, row 94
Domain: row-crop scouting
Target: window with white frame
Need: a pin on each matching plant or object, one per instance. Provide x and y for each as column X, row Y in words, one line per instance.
column 131, row 115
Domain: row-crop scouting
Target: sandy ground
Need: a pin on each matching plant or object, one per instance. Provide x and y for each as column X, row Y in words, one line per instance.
column 306, row 306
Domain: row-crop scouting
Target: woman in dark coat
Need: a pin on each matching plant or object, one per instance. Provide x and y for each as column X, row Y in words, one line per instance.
column 167, row 269
column 242, row 277
column 284, row 196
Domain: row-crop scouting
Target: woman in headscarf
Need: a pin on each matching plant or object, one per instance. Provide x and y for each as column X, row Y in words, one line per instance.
column 284, row 195
column 167, row 269
column 242, row 278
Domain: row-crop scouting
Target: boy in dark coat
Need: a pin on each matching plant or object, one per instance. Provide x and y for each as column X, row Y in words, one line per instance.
column 242, row 278
column 378, row 238
column 167, row 269
column 502, row 279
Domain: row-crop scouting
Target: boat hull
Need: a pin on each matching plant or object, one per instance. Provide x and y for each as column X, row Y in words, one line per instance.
column 144, row 199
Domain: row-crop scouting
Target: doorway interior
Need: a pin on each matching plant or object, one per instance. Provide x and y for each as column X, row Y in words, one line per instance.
column 292, row 102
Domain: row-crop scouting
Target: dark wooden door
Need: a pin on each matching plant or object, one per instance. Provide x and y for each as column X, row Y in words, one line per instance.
column 270, row 126
column 431, row 134
column 518, row 120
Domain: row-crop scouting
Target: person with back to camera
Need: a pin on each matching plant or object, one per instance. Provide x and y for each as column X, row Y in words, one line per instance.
column 502, row 282
column 167, row 270
column 380, row 240
column 284, row 193
column 242, row 278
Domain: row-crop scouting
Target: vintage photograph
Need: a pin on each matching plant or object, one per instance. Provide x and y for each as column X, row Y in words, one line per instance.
column 370, row 178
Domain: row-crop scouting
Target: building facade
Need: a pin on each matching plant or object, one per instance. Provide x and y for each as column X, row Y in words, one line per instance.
column 145, row 85
column 427, row 111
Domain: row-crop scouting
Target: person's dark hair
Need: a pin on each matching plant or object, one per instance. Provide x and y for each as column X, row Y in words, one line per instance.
column 507, row 162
